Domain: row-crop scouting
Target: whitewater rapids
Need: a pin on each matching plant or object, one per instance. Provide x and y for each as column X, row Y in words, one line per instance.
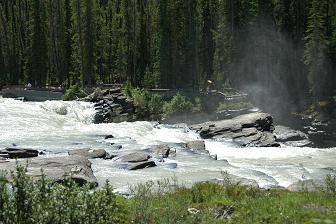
column 57, row 127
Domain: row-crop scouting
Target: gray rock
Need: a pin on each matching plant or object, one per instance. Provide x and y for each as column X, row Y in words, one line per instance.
column 55, row 169
column 88, row 153
column 135, row 157
column 141, row 165
column 197, row 147
column 161, row 151
column 260, row 121
column 285, row 134
column 17, row 153
column 253, row 130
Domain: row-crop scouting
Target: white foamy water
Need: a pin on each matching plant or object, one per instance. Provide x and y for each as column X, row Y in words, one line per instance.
column 57, row 127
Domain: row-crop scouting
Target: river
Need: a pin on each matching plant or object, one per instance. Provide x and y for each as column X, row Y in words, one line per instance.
column 57, row 127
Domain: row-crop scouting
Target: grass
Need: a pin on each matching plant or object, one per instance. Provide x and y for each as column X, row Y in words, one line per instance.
column 25, row 201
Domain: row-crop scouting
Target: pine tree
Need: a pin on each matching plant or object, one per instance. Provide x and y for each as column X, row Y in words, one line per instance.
column 315, row 49
column 38, row 53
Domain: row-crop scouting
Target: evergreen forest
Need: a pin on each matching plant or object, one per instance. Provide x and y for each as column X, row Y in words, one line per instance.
column 274, row 48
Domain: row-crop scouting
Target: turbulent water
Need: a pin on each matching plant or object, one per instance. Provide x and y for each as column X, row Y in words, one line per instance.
column 57, row 127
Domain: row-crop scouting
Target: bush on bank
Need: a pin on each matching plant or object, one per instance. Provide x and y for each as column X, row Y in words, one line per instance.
column 25, row 201
column 73, row 93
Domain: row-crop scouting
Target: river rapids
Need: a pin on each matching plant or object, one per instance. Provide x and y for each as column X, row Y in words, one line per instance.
column 57, row 127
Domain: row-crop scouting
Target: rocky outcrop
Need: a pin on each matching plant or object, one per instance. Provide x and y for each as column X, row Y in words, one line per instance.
column 111, row 106
column 252, row 130
column 18, row 153
column 55, row 169
column 89, row 153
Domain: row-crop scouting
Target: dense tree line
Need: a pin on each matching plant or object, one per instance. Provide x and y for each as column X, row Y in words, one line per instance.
column 283, row 45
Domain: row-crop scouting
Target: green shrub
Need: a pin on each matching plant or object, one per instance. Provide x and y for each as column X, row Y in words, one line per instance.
column 73, row 93
column 147, row 106
column 26, row 201
column 178, row 105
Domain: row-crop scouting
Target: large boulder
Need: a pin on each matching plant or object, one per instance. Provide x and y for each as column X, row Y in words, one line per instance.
column 55, row 169
column 253, row 130
column 18, row 153
column 88, row 153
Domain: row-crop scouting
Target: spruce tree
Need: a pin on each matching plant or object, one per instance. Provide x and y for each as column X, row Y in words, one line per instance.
column 38, row 52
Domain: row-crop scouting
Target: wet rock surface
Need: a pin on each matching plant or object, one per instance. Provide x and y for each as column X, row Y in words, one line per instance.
column 55, row 169
column 141, row 165
column 291, row 137
column 89, row 153
column 135, row 157
column 17, row 153
column 249, row 130
column 197, row 147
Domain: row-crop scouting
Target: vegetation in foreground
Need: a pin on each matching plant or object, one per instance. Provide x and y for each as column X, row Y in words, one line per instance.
column 25, row 201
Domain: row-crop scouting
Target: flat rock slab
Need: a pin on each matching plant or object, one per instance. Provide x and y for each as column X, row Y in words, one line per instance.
column 55, row 169
column 17, row 153
column 260, row 121
column 88, row 153
column 141, row 165
column 249, row 130
column 135, row 157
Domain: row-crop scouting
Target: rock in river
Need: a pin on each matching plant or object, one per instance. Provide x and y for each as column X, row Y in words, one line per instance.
column 197, row 147
column 134, row 157
column 17, row 153
column 284, row 134
column 253, row 130
column 55, row 169
column 141, row 165
column 88, row 153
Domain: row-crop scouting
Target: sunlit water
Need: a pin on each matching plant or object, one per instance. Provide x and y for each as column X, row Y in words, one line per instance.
column 57, row 127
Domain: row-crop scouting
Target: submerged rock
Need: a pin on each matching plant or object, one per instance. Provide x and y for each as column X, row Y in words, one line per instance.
column 56, row 169
column 18, row 153
column 252, row 130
